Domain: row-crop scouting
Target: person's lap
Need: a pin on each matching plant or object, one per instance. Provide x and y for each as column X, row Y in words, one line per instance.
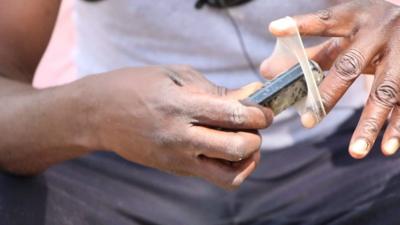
column 305, row 184
column 329, row 188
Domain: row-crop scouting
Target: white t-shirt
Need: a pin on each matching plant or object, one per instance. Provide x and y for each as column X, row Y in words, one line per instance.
column 125, row 33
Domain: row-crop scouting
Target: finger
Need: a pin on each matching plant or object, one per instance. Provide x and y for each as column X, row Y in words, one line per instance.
column 342, row 75
column 228, row 176
column 226, row 145
column 384, row 96
column 337, row 21
column 390, row 89
column 391, row 139
column 371, row 122
column 244, row 92
column 324, row 54
column 346, row 69
column 223, row 112
column 275, row 65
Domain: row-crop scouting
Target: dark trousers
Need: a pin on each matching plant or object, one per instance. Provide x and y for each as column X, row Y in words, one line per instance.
column 306, row 184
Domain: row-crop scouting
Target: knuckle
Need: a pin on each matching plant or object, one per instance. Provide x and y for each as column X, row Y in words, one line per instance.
column 237, row 148
column 167, row 139
column 324, row 14
column 183, row 68
column 396, row 126
column 386, row 93
column 328, row 99
column 174, row 74
column 184, row 71
column 378, row 59
column 174, row 77
column 353, row 32
column 370, row 126
column 221, row 91
column 349, row 66
column 237, row 115
column 333, row 49
column 253, row 143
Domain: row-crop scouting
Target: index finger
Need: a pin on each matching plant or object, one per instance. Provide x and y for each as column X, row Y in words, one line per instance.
column 337, row 21
column 215, row 111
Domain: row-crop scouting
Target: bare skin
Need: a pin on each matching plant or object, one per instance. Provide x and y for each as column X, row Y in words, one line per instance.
column 167, row 117
column 365, row 40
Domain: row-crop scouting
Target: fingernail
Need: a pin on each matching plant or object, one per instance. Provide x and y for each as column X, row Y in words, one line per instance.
column 308, row 120
column 359, row 148
column 391, row 146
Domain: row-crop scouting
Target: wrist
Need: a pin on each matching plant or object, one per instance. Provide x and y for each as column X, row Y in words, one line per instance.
column 88, row 100
column 76, row 114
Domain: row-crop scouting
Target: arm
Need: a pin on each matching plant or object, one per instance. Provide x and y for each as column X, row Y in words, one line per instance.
column 37, row 128
column 165, row 117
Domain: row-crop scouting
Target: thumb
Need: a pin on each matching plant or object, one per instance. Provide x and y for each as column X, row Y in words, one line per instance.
column 245, row 91
column 275, row 65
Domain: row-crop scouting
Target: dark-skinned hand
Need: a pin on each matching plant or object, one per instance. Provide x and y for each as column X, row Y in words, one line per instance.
column 365, row 39
column 173, row 119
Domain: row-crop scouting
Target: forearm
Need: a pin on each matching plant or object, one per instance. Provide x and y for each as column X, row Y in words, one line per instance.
column 41, row 127
column 38, row 127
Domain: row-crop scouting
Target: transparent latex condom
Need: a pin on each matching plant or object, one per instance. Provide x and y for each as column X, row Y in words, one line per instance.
column 289, row 50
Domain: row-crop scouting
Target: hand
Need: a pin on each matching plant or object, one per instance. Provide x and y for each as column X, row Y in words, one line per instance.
column 365, row 39
column 173, row 119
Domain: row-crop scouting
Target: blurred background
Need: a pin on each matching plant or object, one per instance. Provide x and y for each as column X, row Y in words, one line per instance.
column 57, row 66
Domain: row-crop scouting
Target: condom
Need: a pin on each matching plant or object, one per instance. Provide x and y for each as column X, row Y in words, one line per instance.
column 289, row 51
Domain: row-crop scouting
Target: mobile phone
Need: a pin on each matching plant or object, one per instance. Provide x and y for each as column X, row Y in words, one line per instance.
column 286, row 89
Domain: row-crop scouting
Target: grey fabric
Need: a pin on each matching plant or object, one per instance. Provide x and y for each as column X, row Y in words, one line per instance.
column 307, row 184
